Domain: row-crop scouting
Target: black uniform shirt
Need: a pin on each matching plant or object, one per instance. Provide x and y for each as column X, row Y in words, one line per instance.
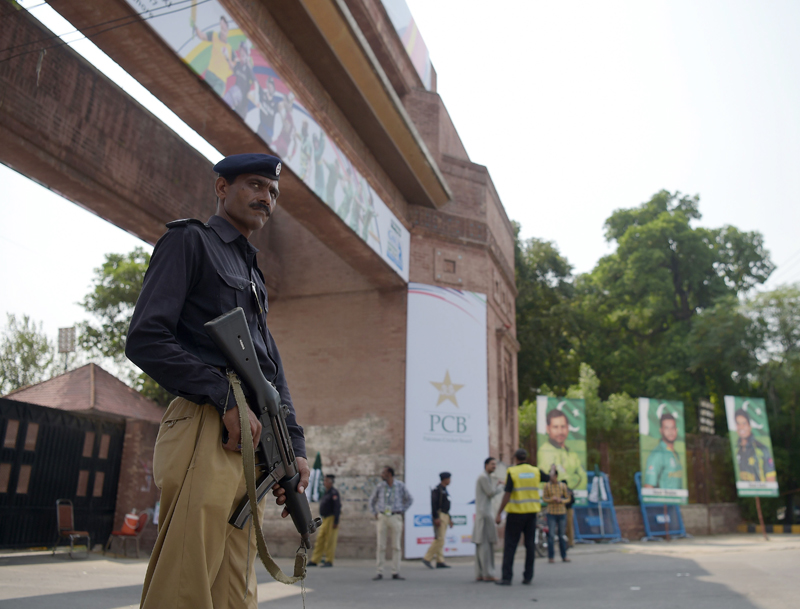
column 331, row 505
column 198, row 272
column 440, row 501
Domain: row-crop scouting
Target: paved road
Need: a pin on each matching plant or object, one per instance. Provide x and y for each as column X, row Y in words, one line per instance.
column 735, row 572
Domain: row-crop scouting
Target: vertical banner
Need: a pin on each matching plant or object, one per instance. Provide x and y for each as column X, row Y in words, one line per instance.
column 212, row 44
column 748, row 430
column 561, row 438
column 447, row 410
column 662, row 449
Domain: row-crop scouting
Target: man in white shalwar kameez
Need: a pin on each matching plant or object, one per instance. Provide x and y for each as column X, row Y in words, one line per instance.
column 484, row 533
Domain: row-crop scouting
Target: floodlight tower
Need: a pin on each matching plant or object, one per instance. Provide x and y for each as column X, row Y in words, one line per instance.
column 66, row 343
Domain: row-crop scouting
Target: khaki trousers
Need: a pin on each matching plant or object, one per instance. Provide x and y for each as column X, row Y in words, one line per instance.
column 437, row 547
column 385, row 524
column 199, row 560
column 327, row 537
column 484, row 561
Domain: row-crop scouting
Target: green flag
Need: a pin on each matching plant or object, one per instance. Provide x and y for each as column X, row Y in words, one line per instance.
column 315, row 487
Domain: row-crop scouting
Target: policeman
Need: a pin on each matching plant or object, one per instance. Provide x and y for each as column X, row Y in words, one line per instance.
column 555, row 451
column 754, row 458
column 440, row 511
column 663, row 468
column 330, row 508
column 522, row 503
column 197, row 272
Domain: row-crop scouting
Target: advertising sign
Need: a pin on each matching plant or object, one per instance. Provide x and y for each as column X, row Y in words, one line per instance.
column 662, row 449
column 208, row 40
column 447, row 410
column 403, row 22
column 561, row 438
column 748, row 430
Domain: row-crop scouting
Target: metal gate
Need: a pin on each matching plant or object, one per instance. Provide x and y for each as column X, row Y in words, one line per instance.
column 48, row 454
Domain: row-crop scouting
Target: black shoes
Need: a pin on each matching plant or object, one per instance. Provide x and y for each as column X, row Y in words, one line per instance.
column 502, row 582
column 326, row 564
column 397, row 576
column 311, row 564
column 377, row 577
column 527, row 582
column 427, row 563
column 441, row 565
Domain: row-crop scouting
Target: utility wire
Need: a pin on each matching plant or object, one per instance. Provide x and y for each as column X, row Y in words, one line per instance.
column 133, row 19
column 96, row 25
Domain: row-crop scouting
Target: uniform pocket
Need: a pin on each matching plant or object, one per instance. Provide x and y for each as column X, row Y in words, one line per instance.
column 232, row 291
column 174, row 445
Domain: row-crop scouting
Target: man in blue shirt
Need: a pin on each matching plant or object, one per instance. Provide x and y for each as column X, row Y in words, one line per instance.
column 388, row 502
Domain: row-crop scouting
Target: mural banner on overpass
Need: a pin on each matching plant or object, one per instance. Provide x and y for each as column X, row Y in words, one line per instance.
column 405, row 26
column 208, row 40
column 447, row 411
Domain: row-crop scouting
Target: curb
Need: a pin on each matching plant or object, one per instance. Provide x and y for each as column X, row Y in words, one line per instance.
column 775, row 529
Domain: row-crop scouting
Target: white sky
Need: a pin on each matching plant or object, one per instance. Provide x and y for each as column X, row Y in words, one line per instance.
column 576, row 108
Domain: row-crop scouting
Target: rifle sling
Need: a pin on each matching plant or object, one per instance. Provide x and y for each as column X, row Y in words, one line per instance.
column 249, row 462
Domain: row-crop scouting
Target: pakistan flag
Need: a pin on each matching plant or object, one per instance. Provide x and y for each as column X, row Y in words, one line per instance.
column 561, row 438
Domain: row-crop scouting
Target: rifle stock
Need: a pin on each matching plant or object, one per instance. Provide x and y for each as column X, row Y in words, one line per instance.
column 231, row 334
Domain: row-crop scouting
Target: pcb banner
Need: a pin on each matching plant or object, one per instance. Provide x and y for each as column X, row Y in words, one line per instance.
column 748, row 430
column 213, row 45
column 662, row 449
column 447, row 411
column 561, row 438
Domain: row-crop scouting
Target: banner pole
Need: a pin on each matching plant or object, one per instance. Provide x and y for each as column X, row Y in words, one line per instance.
column 761, row 518
column 666, row 522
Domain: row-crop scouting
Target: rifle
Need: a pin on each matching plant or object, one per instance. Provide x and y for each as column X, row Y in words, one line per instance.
column 274, row 455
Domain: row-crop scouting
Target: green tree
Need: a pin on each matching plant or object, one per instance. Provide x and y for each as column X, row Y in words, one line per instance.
column 26, row 354
column 668, row 286
column 116, row 287
column 544, row 318
column 778, row 379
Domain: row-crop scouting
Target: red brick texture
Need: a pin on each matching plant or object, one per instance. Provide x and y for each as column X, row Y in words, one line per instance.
column 136, row 488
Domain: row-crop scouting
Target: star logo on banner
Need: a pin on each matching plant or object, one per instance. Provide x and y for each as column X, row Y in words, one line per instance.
column 447, row 390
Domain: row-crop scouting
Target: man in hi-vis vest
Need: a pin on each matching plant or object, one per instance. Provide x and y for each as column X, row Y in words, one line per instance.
column 521, row 503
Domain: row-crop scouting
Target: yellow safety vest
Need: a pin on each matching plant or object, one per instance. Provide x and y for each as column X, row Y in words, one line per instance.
column 525, row 496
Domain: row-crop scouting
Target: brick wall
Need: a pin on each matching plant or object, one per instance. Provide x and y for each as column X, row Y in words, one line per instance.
column 725, row 517
column 136, row 488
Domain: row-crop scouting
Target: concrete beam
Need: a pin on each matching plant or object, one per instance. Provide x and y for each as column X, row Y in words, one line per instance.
column 328, row 38
column 66, row 126
column 69, row 128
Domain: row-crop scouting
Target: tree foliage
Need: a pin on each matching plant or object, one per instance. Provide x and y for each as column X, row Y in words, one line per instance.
column 544, row 318
column 672, row 313
column 668, row 286
column 26, row 354
column 116, row 287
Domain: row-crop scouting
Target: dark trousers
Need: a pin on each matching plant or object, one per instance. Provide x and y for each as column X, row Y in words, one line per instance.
column 516, row 525
column 553, row 521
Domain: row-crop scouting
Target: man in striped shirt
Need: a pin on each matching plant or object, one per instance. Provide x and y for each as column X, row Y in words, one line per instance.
column 556, row 497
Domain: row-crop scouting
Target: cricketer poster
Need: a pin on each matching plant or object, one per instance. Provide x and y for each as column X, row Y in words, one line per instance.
column 662, row 450
column 561, row 440
column 447, row 411
column 753, row 462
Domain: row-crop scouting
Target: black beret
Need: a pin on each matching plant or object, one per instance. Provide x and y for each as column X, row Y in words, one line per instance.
column 444, row 475
column 260, row 164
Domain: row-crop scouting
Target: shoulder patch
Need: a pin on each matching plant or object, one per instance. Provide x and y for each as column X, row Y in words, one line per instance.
column 185, row 222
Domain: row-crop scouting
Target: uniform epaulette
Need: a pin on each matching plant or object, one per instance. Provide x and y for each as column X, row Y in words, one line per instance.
column 184, row 222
